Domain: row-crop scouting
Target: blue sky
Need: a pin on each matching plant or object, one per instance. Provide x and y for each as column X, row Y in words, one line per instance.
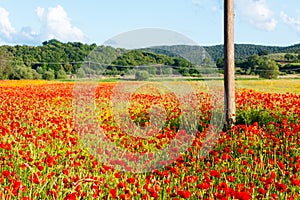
column 268, row 22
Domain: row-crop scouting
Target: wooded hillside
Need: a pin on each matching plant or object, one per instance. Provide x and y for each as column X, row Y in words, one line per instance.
column 54, row 59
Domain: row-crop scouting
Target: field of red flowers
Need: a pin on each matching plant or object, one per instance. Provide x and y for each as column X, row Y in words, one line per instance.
column 43, row 156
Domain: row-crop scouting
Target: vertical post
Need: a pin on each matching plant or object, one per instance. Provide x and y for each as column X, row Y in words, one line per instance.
column 229, row 63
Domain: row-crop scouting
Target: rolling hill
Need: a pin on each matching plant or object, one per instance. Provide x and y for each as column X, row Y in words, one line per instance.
column 58, row 59
column 241, row 50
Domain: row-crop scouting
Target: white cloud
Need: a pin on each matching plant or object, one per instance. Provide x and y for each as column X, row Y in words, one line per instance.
column 40, row 11
column 257, row 13
column 294, row 23
column 6, row 29
column 56, row 24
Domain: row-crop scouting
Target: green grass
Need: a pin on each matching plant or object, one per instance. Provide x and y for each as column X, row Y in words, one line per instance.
column 276, row 56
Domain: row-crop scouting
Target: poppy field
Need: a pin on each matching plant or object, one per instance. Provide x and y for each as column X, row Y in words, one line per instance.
column 44, row 154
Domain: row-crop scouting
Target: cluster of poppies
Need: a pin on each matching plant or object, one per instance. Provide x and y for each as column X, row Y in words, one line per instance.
column 44, row 155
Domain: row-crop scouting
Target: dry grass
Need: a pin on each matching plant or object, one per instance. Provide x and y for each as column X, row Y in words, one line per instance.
column 271, row 86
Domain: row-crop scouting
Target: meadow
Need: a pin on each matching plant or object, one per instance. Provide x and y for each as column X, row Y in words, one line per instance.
column 47, row 153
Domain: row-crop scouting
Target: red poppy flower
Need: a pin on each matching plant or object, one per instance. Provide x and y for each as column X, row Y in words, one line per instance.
column 203, row 186
column 184, row 194
column 262, row 191
column 121, row 185
column 71, row 196
column 34, row 178
column 281, row 165
column 5, row 173
column 273, row 175
column 131, row 180
column 222, row 186
column 281, row 187
column 242, row 195
column 226, row 156
column 153, row 193
column 275, row 196
column 113, row 193
column 125, row 196
column 66, row 171
column 215, row 173
column 250, row 151
column 117, row 175
column 295, row 182
column 230, row 178
column 270, row 180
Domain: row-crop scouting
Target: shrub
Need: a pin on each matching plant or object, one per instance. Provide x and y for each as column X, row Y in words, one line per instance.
column 268, row 69
column 259, row 115
column 80, row 73
column 36, row 75
column 61, row 74
column 49, row 75
column 142, row 75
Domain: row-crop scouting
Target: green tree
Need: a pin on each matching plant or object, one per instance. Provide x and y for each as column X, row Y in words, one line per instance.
column 252, row 64
column 49, row 74
column 61, row 74
column 152, row 70
column 208, row 61
column 24, row 72
column 220, row 63
column 167, row 71
column 40, row 70
column 36, row 75
column 68, row 67
column 142, row 75
column 263, row 52
column 112, row 71
column 268, row 69
column 289, row 56
column 6, row 69
column 80, row 73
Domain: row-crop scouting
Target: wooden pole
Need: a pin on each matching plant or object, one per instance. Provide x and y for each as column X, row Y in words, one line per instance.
column 229, row 63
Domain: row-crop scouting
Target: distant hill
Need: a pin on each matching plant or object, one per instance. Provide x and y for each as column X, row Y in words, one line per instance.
column 241, row 50
column 194, row 54
column 55, row 59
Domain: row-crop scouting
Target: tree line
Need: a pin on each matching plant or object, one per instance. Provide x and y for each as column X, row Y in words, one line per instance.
column 53, row 59
column 56, row 60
